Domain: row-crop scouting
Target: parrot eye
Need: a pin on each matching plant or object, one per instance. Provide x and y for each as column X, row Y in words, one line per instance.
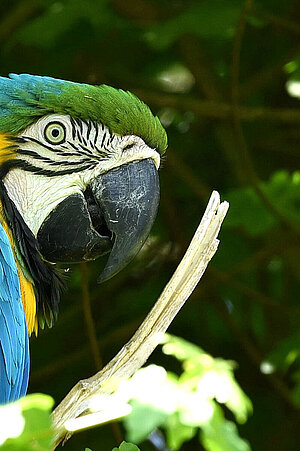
column 55, row 133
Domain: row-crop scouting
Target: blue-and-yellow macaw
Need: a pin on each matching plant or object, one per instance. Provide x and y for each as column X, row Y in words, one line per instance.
column 78, row 179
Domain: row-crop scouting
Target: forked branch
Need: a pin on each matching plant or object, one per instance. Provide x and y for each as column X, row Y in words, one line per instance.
column 135, row 353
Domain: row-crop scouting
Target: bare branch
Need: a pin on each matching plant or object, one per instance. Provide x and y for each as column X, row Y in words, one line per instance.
column 17, row 16
column 217, row 110
column 135, row 353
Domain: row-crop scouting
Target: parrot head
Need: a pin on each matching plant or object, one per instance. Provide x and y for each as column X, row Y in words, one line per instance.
column 79, row 173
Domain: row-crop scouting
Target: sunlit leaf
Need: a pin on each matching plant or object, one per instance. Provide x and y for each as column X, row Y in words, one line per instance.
column 125, row 446
column 36, row 433
column 212, row 377
column 142, row 420
column 181, row 405
column 177, row 432
column 12, row 422
column 181, row 349
column 222, row 435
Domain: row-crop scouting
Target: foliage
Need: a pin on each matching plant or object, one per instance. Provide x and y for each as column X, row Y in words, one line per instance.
column 178, row 404
column 26, row 424
column 283, row 189
column 125, row 446
column 182, row 404
column 217, row 17
column 224, row 78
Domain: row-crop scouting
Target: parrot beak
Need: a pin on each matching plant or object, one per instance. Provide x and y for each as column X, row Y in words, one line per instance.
column 114, row 215
column 128, row 198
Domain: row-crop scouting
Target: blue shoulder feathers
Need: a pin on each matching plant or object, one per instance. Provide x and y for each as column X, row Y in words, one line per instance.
column 14, row 341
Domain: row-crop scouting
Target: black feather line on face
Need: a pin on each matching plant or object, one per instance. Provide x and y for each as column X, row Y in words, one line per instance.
column 73, row 128
column 96, row 133
column 52, row 149
column 86, row 149
column 72, row 145
column 48, row 281
column 89, row 128
column 37, row 156
column 33, row 154
column 8, row 165
column 103, row 139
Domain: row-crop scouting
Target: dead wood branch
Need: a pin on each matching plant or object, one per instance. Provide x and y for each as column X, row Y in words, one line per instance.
column 135, row 353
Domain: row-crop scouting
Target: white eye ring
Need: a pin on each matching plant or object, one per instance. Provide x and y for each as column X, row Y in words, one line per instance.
column 55, row 133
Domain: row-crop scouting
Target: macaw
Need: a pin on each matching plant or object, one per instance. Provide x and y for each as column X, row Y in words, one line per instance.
column 78, row 180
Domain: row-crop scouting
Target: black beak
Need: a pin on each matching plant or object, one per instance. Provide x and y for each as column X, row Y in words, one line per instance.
column 114, row 215
column 128, row 198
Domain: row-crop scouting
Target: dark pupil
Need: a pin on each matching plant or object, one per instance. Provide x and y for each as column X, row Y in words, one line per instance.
column 55, row 132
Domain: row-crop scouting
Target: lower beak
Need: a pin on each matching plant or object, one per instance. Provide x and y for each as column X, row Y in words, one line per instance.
column 128, row 198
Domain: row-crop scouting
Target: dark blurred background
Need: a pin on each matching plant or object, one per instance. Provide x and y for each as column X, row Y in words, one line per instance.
column 223, row 77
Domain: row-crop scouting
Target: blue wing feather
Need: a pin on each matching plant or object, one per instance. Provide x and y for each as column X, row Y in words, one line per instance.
column 14, row 341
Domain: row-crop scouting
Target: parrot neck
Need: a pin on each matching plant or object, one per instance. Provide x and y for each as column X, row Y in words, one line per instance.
column 40, row 282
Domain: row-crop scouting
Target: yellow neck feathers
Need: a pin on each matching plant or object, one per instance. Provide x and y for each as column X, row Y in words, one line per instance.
column 7, row 149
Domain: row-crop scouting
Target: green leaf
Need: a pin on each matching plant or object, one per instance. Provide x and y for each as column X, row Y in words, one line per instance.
column 60, row 17
column 283, row 190
column 296, row 390
column 222, row 435
column 180, row 348
column 178, row 433
column 212, row 377
column 207, row 19
column 181, row 405
column 125, row 446
column 26, row 424
column 286, row 353
column 142, row 420
column 247, row 210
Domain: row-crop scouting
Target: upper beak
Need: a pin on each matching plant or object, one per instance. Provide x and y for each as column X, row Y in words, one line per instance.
column 128, row 198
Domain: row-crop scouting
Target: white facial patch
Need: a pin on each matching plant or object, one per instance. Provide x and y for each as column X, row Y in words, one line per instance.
column 35, row 196
column 60, row 157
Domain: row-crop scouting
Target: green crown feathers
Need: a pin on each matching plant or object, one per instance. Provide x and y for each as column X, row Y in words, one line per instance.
column 25, row 98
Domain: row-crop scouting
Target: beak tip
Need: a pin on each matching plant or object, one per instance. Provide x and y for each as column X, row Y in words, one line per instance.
column 106, row 274
column 101, row 278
